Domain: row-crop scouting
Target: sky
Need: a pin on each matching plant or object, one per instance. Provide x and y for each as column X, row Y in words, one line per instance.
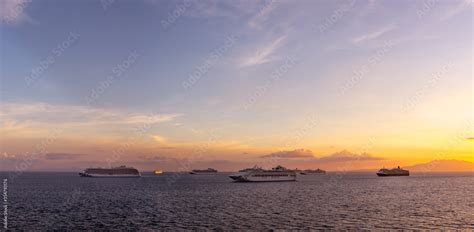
column 177, row 85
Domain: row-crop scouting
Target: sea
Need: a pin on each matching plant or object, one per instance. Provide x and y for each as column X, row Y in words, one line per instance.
column 179, row 201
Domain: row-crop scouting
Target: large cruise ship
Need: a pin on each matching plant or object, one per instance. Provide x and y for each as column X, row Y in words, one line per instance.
column 393, row 172
column 256, row 174
column 203, row 172
column 313, row 172
column 121, row 171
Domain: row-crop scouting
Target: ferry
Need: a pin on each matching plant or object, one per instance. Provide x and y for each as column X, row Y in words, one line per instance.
column 393, row 172
column 256, row 174
column 203, row 172
column 313, row 172
column 121, row 171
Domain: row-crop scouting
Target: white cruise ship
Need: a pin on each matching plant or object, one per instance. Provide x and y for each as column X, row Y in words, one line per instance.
column 256, row 174
column 121, row 171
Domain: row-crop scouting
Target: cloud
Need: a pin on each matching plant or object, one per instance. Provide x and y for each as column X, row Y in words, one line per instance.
column 262, row 14
column 61, row 156
column 456, row 9
column 264, row 54
column 42, row 112
column 157, row 158
column 13, row 11
column 37, row 120
column 373, row 35
column 135, row 119
column 344, row 156
column 215, row 8
column 341, row 156
column 298, row 153
column 160, row 139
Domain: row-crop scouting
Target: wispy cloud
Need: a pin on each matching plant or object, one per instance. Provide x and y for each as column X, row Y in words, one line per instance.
column 456, row 9
column 13, row 11
column 160, row 139
column 35, row 119
column 298, row 153
column 62, row 156
column 215, row 8
column 344, row 156
column 264, row 54
column 42, row 112
column 263, row 13
column 373, row 35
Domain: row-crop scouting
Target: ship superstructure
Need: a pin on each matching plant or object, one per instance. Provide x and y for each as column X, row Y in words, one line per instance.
column 255, row 174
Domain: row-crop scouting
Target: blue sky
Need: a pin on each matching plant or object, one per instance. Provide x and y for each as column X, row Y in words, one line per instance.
column 363, row 68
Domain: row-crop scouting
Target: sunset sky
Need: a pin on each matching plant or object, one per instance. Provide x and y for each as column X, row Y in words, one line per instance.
column 177, row 85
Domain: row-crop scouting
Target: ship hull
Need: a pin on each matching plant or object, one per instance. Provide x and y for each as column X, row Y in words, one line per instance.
column 400, row 174
column 203, row 173
column 252, row 178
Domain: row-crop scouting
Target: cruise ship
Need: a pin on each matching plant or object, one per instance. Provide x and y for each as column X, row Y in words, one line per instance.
column 203, row 172
column 256, row 174
column 393, row 172
column 121, row 171
column 313, row 172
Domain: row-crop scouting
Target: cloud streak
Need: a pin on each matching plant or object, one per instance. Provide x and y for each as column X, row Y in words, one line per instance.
column 13, row 11
column 262, row 14
column 36, row 119
column 62, row 156
column 41, row 112
column 456, row 9
column 373, row 35
column 160, row 139
column 342, row 156
column 264, row 54
column 299, row 153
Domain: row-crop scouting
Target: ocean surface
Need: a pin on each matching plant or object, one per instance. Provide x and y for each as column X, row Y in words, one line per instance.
column 335, row 201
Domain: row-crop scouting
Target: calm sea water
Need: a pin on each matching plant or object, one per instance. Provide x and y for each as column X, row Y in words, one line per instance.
column 64, row 201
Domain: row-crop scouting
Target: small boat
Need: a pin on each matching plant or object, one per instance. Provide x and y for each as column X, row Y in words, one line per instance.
column 203, row 172
column 393, row 172
column 255, row 174
column 158, row 172
column 121, row 172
